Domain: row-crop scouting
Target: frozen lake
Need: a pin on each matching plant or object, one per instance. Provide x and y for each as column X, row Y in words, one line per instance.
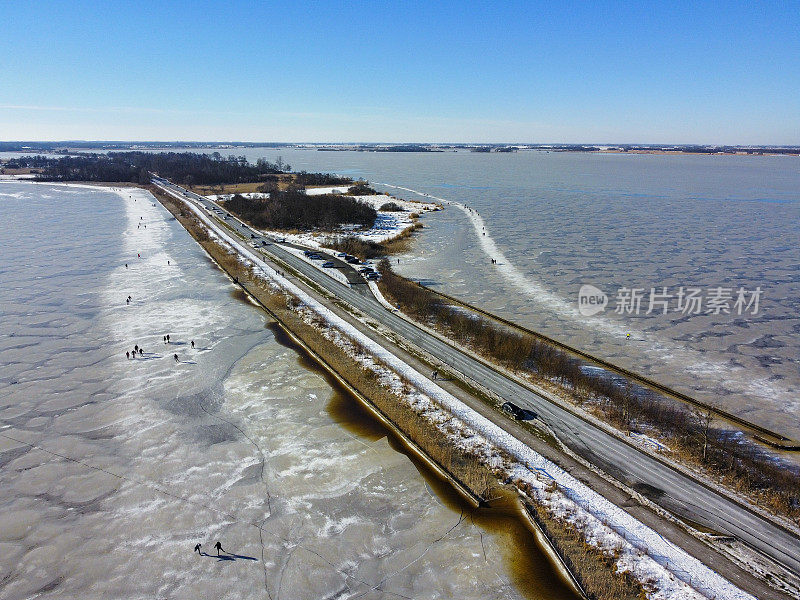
column 669, row 224
column 113, row 468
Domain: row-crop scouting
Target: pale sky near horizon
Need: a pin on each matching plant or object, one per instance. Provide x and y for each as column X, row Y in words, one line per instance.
column 591, row 72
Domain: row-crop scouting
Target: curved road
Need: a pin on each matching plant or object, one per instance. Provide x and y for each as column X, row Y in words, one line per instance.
column 671, row 489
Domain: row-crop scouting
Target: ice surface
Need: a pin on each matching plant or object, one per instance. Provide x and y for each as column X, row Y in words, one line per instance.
column 112, row 469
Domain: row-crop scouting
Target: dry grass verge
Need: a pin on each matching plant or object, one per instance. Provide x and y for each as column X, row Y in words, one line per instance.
column 583, row 559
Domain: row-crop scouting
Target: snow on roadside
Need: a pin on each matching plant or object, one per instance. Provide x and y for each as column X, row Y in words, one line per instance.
column 664, row 569
column 376, row 291
column 649, row 442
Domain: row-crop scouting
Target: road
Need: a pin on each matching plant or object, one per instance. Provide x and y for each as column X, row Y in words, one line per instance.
column 673, row 490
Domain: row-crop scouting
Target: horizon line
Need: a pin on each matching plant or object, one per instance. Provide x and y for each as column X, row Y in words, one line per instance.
column 381, row 143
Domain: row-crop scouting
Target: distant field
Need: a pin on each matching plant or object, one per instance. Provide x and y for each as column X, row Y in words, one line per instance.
column 240, row 188
column 235, row 188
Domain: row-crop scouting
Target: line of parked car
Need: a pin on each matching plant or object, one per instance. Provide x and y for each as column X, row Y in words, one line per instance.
column 366, row 271
column 225, row 216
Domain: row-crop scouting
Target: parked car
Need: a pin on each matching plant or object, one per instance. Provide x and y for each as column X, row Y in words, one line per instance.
column 515, row 411
column 328, row 264
column 373, row 276
column 366, row 270
column 353, row 260
column 341, row 255
column 307, row 253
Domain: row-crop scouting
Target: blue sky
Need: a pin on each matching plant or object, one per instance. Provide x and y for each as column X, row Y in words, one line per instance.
column 659, row 72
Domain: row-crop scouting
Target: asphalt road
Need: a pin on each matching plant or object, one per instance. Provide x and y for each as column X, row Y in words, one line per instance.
column 672, row 489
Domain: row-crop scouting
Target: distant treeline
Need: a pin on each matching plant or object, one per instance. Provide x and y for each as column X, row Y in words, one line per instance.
column 95, row 167
column 292, row 209
column 186, row 168
column 406, row 148
column 63, row 146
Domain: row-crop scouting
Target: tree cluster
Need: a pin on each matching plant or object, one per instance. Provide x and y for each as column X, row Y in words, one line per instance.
column 198, row 169
column 94, row 167
column 28, row 162
column 304, row 178
column 292, row 209
column 361, row 188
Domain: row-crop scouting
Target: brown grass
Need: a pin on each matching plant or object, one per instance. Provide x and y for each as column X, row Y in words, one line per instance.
column 594, row 569
column 282, row 180
column 231, row 188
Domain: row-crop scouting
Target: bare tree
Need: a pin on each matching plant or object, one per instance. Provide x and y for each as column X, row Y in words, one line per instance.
column 703, row 417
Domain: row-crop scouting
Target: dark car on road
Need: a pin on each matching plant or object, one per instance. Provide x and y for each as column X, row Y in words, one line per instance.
column 520, row 414
column 327, row 265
